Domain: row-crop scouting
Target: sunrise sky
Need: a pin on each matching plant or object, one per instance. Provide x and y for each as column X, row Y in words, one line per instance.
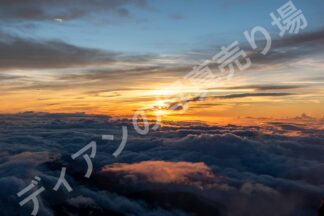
column 78, row 78
column 114, row 57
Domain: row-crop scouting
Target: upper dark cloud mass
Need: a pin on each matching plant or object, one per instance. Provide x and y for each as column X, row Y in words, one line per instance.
column 42, row 10
column 182, row 169
column 291, row 48
column 25, row 53
column 283, row 50
column 30, row 53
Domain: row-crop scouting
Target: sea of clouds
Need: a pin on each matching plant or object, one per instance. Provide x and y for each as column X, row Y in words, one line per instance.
column 186, row 168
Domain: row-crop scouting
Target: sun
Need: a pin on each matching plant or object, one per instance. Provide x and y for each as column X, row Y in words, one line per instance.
column 160, row 103
column 160, row 108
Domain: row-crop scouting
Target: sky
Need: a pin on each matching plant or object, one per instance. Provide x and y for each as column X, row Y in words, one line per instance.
column 115, row 57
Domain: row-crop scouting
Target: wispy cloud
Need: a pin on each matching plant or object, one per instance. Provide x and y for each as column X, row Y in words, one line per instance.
column 262, row 87
column 243, row 95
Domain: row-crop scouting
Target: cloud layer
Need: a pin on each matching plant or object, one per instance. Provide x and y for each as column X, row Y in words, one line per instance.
column 273, row 168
